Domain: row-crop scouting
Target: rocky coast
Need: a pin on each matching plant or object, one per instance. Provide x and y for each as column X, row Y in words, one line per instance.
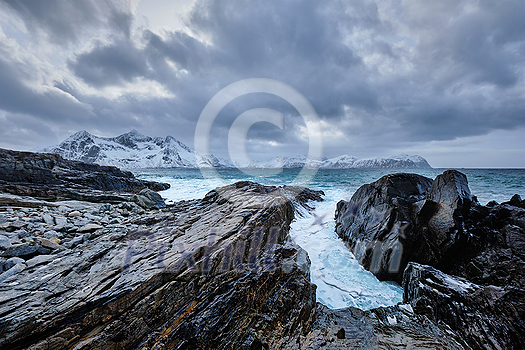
column 92, row 258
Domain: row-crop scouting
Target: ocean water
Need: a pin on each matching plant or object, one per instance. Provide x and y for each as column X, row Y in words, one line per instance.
column 340, row 280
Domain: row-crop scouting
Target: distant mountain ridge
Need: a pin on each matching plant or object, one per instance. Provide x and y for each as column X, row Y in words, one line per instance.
column 135, row 150
column 130, row 150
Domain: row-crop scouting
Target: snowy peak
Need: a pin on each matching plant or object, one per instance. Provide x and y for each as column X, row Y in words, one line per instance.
column 131, row 150
column 135, row 150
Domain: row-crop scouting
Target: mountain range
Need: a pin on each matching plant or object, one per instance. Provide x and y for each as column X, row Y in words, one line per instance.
column 134, row 150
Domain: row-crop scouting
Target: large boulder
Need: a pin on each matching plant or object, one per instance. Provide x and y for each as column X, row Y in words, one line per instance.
column 407, row 217
column 486, row 317
column 379, row 222
column 441, row 220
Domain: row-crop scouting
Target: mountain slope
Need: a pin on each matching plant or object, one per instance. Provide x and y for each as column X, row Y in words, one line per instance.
column 402, row 161
column 134, row 150
column 130, row 150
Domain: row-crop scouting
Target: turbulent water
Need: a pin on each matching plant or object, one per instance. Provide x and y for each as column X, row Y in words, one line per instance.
column 340, row 280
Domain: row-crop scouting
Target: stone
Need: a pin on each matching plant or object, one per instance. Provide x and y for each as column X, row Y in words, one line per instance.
column 14, row 225
column 40, row 260
column 22, row 233
column 12, row 262
column 55, row 240
column 149, row 199
column 74, row 214
column 486, row 317
column 48, row 219
column 47, row 243
column 105, row 207
column 16, row 269
column 379, row 223
column 89, row 228
column 25, row 251
column 5, row 242
column 51, row 234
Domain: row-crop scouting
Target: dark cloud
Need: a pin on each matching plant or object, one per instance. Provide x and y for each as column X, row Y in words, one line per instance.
column 113, row 64
column 50, row 104
column 383, row 74
column 66, row 21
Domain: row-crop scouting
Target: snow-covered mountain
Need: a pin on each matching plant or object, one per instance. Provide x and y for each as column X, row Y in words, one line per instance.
column 130, row 150
column 348, row 162
column 134, row 150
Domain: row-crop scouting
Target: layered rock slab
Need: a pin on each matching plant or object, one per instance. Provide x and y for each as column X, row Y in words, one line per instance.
column 219, row 272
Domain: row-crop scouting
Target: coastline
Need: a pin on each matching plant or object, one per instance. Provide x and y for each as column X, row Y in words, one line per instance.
column 94, row 274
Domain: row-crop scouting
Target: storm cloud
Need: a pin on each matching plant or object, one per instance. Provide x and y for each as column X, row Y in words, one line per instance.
column 383, row 76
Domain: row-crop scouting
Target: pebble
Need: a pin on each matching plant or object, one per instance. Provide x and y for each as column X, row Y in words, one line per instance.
column 5, row 242
column 47, row 243
column 51, row 234
column 89, row 228
column 74, row 214
column 48, row 219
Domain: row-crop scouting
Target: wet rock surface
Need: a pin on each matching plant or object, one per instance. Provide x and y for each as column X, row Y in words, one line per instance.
column 219, row 272
column 486, row 317
column 476, row 286
column 379, row 223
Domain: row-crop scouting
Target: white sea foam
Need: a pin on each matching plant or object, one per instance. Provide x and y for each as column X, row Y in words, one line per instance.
column 340, row 280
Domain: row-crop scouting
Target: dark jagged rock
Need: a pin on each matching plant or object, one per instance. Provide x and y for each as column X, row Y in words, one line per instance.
column 407, row 217
column 216, row 273
column 394, row 327
column 49, row 176
column 441, row 220
column 486, row 317
column 379, row 222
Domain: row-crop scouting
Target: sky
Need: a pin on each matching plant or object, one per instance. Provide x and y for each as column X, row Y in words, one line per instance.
column 441, row 79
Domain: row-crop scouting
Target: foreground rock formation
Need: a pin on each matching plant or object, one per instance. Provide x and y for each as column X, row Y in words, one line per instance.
column 222, row 272
column 402, row 223
column 218, row 272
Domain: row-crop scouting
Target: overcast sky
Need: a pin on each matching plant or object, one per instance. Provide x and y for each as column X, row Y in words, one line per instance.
column 443, row 79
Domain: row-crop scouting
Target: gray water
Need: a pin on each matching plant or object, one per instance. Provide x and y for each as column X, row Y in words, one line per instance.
column 340, row 280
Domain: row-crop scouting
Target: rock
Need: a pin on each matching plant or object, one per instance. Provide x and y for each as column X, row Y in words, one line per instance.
column 55, row 240
column 22, row 233
column 40, row 260
column 12, row 262
column 5, row 242
column 61, row 223
column 50, row 177
column 382, row 328
column 48, row 219
column 105, row 207
column 25, row 251
column 442, row 219
column 221, row 282
column 74, row 214
column 379, row 223
column 11, row 226
column 89, row 228
column 149, row 199
column 51, row 234
column 486, row 317
column 12, row 272
column 47, row 243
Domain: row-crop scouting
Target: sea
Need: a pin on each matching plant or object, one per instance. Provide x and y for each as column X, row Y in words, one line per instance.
column 341, row 281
